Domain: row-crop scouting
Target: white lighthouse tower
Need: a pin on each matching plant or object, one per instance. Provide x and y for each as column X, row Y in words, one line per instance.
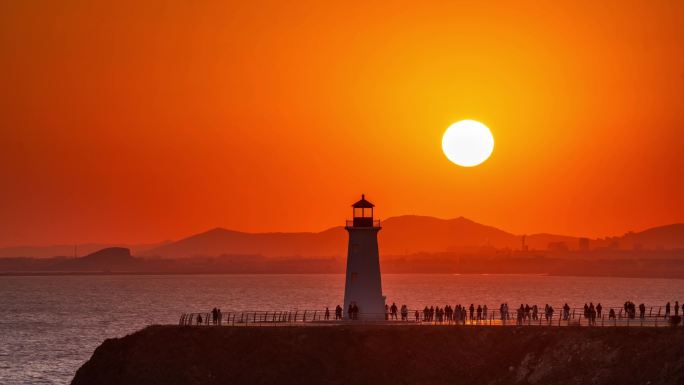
column 363, row 286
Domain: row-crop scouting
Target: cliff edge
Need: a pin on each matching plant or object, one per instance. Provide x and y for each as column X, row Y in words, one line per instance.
column 351, row 355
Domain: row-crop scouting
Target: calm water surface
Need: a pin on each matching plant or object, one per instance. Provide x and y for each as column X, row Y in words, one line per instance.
column 49, row 326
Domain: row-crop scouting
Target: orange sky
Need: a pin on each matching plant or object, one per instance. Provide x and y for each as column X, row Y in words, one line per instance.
column 139, row 121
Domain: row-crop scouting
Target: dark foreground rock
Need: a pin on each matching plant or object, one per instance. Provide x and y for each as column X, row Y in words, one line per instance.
column 388, row 355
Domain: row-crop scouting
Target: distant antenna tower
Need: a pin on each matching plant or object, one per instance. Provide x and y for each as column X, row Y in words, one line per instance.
column 524, row 246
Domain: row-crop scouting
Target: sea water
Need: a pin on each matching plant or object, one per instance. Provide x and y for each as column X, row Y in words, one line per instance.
column 50, row 325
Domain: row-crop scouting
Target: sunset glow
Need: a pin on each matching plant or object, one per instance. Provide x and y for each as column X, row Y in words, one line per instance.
column 151, row 125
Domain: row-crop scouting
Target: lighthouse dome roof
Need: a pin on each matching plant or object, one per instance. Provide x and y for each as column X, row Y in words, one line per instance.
column 363, row 203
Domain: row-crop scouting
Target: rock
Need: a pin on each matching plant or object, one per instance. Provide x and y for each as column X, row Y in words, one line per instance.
column 360, row 354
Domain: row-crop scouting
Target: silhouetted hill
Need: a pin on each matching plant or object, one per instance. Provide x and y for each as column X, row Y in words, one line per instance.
column 220, row 241
column 112, row 258
column 412, row 234
column 403, row 235
column 67, row 250
column 666, row 237
column 108, row 255
column 400, row 235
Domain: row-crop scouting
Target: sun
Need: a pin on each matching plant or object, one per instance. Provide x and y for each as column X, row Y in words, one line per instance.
column 467, row 143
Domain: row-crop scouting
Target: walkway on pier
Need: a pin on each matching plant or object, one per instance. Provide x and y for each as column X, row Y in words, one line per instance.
column 575, row 317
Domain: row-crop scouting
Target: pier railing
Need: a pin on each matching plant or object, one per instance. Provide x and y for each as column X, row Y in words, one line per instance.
column 652, row 317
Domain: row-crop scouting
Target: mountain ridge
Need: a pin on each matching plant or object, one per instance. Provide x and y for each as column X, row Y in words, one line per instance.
column 401, row 235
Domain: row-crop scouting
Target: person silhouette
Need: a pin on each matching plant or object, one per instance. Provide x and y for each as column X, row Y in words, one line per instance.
column 393, row 311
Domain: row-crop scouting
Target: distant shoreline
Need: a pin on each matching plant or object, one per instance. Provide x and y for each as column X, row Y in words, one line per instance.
column 94, row 273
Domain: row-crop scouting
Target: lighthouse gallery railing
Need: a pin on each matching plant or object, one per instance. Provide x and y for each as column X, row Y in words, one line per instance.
column 350, row 223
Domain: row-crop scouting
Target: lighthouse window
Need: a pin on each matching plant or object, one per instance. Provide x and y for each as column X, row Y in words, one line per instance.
column 355, row 247
column 354, row 277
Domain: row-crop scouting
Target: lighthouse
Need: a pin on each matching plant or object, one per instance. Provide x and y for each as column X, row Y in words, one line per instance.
column 363, row 286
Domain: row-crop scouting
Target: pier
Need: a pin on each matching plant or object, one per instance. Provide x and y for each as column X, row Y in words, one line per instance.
column 653, row 317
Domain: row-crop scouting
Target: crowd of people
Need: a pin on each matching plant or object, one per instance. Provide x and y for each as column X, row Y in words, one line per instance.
column 338, row 313
column 630, row 310
column 526, row 313
column 391, row 312
column 461, row 314
column 216, row 317
column 458, row 313
column 352, row 312
column 591, row 312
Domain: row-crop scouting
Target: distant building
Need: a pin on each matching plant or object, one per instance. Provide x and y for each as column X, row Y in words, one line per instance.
column 558, row 246
column 363, row 285
column 584, row 244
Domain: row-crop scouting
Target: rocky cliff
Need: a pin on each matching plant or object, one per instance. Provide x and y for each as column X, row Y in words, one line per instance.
column 388, row 355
